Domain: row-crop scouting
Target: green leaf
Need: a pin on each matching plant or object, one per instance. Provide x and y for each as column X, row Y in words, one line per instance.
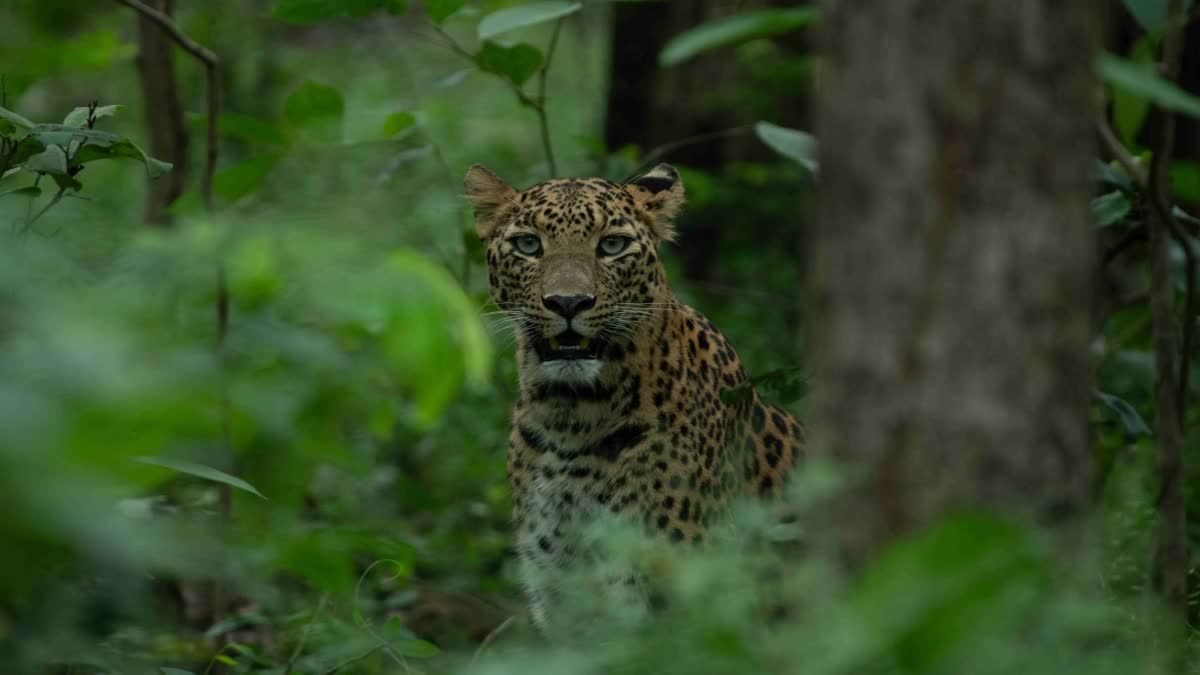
column 1130, row 420
column 317, row 109
column 1129, row 110
column 201, row 471
column 62, row 135
column 174, row 671
column 415, row 648
column 934, row 594
column 246, row 128
column 736, row 29
column 79, row 116
column 791, row 143
column 440, row 10
column 1151, row 14
column 16, row 119
column 521, row 16
column 397, row 122
column 123, row 149
column 1185, row 180
column 1117, row 178
column 1111, row 208
column 518, row 63
column 31, row 191
column 1141, row 80
column 52, row 161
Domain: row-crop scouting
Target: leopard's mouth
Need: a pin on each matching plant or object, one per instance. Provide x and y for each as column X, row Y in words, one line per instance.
column 568, row 346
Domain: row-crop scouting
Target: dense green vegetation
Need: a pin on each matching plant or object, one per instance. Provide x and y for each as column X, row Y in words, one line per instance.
column 268, row 437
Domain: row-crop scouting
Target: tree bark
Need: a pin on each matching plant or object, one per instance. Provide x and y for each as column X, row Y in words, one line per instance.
column 951, row 261
column 164, row 114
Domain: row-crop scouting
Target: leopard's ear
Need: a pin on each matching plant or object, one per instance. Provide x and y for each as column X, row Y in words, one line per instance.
column 659, row 195
column 492, row 198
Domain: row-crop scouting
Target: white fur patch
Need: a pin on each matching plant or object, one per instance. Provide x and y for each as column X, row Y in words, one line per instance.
column 578, row 371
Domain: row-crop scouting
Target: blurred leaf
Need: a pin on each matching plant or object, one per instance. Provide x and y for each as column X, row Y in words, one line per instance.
column 1114, row 176
column 52, row 161
column 1185, row 180
column 175, row 671
column 233, row 183
column 27, row 191
column 1130, row 420
column 1151, row 14
column 245, row 128
column 397, row 122
column 415, row 648
column 16, row 119
column 316, row 108
column 1142, row 80
column 201, row 471
column 791, row 143
column 1111, row 208
column 732, row 30
column 529, row 14
column 518, row 63
column 440, row 10
column 935, row 592
column 79, row 116
column 122, row 149
column 1130, row 110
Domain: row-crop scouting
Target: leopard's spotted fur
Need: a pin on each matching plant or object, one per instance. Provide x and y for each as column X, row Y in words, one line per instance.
column 642, row 430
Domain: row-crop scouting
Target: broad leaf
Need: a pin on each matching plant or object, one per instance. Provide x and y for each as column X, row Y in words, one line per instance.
column 31, row 191
column 1111, row 176
column 1111, row 208
column 398, row 122
column 1130, row 420
column 52, row 161
column 1151, row 14
column 524, row 15
column 416, row 648
column 791, row 143
column 1130, row 110
column 201, row 471
column 123, row 149
column 518, row 63
column 79, row 116
column 317, row 109
column 65, row 136
column 736, row 29
column 440, row 10
column 1185, row 180
column 16, row 119
column 1141, row 80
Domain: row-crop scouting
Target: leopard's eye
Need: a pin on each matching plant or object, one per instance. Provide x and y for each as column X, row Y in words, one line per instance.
column 613, row 245
column 529, row 244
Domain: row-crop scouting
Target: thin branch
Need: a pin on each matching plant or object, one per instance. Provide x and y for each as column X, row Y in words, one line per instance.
column 49, row 205
column 304, row 634
column 541, row 107
column 1118, row 151
column 1171, row 554
column 665, row 149
column 211, row 67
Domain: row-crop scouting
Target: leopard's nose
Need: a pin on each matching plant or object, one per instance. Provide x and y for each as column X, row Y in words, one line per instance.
column 568, row 306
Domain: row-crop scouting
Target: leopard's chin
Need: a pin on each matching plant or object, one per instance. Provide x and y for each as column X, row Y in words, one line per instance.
column 570, row 371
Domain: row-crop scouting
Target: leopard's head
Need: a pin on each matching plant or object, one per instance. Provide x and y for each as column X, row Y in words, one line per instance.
column 574, row 263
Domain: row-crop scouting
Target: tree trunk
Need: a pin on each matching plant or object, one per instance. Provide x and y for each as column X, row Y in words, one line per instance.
column 164, row 115
column 951, row 260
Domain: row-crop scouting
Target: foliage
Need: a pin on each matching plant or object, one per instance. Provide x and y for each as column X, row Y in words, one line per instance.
column 315, row 483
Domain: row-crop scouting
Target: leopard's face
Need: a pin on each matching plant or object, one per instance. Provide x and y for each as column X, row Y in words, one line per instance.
column 574, row 266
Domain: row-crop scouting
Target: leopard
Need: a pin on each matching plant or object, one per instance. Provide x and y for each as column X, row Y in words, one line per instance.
column 623, row 402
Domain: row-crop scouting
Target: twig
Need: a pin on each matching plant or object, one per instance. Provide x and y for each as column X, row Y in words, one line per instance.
column 1171, row 554
column 491, row 637
column 537, row 104
column 1118, row 151
column 543, row 121
column 213, row 95
column 353, row 660
column 53, row 200
column 211, row 66
column 304, row 634
column 665, row 149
